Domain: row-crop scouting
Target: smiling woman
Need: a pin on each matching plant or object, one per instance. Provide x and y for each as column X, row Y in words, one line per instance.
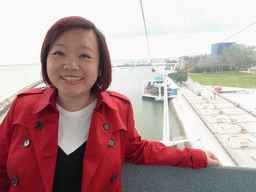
column 74, row 135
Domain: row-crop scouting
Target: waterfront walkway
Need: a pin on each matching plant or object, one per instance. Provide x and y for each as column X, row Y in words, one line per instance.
column 223, row 126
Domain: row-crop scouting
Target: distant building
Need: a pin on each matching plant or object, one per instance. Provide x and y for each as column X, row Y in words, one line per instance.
column 217, row 47
column 182, row 63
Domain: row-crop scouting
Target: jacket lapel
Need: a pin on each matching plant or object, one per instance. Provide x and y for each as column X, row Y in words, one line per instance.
column 44, row 133
column 96, row 147
column 46, row 147
column 98, row 138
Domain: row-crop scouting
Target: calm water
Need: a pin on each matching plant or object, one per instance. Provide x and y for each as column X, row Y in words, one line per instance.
column 15, row 77
column 148, row 114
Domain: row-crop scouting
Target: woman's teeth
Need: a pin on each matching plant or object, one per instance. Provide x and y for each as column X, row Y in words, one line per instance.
column 72, row 78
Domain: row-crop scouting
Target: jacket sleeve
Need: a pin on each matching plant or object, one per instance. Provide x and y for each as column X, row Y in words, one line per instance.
column 143, row 152
column 6, row 131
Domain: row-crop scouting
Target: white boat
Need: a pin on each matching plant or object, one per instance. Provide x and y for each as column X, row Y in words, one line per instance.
column 155, row 88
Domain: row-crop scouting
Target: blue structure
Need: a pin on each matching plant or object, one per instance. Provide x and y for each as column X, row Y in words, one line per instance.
column 159, row 79
column 174, row 91
column 217, row 47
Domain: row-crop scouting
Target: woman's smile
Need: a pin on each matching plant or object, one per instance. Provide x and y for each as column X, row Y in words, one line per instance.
column 71, row 80
column 67, row 78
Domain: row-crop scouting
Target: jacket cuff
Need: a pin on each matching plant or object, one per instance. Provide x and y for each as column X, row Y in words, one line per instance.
column 199, row 159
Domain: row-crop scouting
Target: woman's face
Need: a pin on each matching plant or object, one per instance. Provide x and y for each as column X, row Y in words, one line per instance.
column 73, row 63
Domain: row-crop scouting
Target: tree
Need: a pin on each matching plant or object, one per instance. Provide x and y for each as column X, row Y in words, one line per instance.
column 180, row 76
column 236, row 55
column 239, row 56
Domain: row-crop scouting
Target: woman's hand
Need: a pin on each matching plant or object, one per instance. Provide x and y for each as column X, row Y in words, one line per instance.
column 212, row 159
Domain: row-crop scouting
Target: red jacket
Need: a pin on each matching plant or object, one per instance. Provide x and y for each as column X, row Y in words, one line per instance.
column 29, row 144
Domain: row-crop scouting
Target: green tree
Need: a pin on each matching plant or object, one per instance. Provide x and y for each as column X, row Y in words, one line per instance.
column 180, row 76
column 239, row 56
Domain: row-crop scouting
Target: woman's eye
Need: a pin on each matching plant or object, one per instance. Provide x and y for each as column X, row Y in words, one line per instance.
column 58, row 53
column 84, row 56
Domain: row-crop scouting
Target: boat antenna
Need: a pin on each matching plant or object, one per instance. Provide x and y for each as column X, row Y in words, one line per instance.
column 145, row 30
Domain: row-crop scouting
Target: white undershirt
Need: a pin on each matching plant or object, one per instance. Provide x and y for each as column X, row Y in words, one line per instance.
column 74, row 127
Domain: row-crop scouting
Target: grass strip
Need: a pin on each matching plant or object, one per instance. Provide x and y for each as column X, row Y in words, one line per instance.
column 225, row 79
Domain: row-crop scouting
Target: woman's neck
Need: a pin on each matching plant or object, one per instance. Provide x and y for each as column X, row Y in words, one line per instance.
column 75, row 104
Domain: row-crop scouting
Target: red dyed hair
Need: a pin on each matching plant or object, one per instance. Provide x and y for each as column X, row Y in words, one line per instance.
column 68, row 23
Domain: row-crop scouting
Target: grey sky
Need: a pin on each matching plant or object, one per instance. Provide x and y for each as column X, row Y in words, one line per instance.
column 175, row 28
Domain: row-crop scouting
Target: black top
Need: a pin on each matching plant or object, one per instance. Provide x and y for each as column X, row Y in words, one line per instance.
column 68, row 171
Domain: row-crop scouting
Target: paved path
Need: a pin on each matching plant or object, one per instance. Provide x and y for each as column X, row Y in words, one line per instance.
column 219, row 132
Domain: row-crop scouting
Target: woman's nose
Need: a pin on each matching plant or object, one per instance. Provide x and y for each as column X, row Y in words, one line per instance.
column 71, row 64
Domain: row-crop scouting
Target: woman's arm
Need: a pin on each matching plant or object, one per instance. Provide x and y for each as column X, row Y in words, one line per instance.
column 139, row 151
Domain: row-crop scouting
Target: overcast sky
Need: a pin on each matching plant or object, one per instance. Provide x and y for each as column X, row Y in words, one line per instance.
column 175, row 28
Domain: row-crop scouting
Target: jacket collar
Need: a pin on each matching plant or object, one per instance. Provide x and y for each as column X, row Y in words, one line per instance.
column 104, row 97
column 49, row 98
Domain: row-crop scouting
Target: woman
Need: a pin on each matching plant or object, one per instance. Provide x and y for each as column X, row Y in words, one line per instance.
column 74, row 135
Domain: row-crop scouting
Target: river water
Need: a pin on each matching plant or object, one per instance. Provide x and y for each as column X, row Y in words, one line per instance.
column 128, row 81
column 15, row 77
column 148, row 114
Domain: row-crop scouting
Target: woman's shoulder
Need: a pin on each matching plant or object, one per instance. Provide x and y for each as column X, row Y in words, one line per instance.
column 119, row 96
column 34, row 91
column 23, row 106
column 31, row 95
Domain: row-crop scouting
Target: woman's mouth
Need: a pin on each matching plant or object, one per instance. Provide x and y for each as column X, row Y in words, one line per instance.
column 71, row 78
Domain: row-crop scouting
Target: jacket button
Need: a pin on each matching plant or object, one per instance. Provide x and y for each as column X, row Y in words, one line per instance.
column 26, row 143
column 106, row 127
column 113, row 179
column 39, row 125
column 15, row 181
column 111, row 143
column 43, row 88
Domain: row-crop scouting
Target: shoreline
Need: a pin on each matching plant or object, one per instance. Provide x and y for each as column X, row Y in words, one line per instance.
column 5, row 104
